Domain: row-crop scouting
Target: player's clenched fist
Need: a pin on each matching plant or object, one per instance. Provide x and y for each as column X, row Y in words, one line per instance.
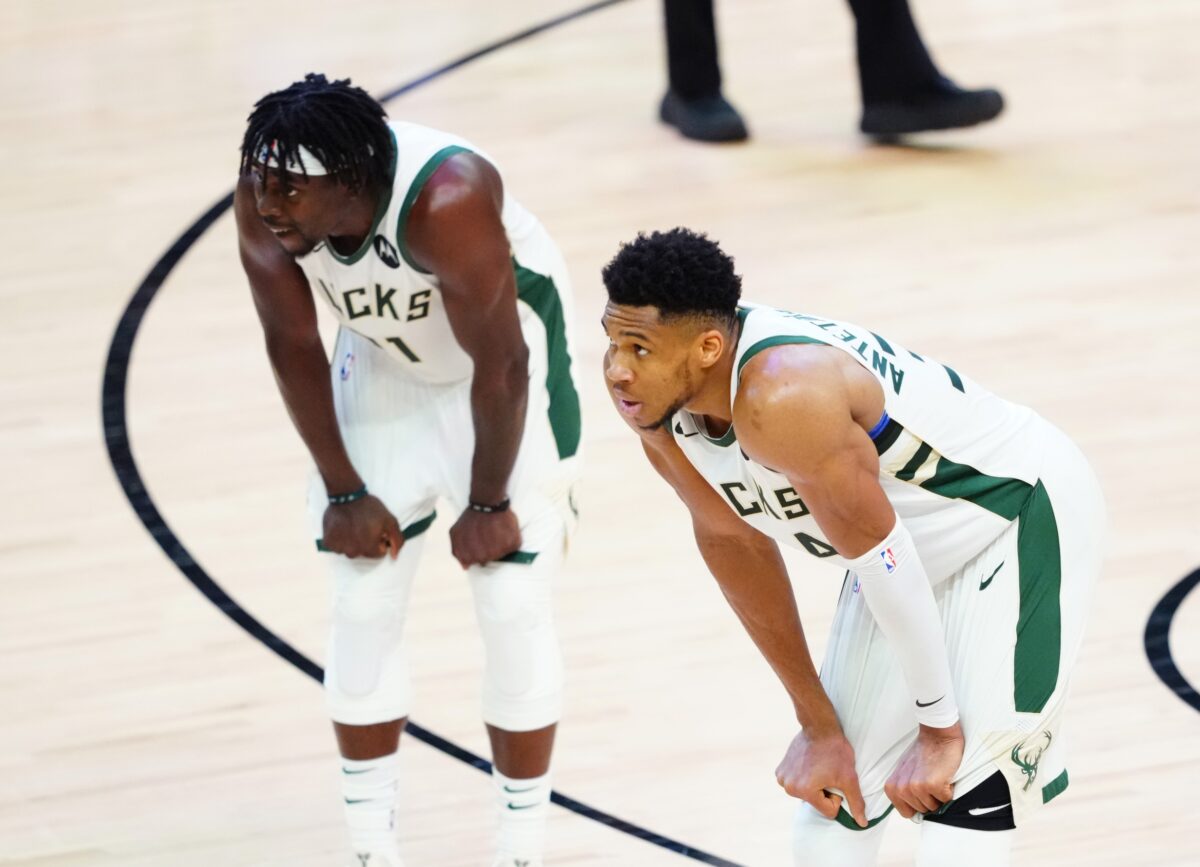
column 363, row 528
column 820, row 770
column 922, row 780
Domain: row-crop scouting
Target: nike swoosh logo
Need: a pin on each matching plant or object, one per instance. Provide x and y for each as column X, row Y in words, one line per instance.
column 513, row 806
column 981, row 811
column 348, row 771
column 359, row 801
column 512, row 791
column 983, row 585
column 928, row 703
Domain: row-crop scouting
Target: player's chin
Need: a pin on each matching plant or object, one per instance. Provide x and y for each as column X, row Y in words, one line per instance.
column 294, row 243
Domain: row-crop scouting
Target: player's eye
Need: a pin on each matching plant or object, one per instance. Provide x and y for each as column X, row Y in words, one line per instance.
column 640, row 351
column 293, row 193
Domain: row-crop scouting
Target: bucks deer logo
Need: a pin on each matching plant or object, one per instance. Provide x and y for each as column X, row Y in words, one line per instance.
column 1027, row 755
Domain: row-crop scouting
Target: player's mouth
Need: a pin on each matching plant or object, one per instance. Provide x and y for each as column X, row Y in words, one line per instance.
column 279, row 231
column 628, row 408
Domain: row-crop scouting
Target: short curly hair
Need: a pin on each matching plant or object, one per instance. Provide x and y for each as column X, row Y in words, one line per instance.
column 680, row 272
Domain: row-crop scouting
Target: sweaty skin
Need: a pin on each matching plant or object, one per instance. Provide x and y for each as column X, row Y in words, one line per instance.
column 454, row 231
column 825, row 403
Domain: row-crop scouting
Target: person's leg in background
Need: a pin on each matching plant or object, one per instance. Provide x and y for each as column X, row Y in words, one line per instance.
column 693, row 103
column 902, row 89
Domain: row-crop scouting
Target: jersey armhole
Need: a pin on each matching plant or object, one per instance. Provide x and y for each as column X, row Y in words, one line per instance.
column 414, row 190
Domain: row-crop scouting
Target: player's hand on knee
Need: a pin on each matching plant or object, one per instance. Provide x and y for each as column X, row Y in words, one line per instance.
column 479, row 538
column 363, row 528
column 923, row 779
column 819, row 769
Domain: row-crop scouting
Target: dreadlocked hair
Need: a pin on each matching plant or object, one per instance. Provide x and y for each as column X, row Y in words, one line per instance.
column 341, row 124
column 680, row 272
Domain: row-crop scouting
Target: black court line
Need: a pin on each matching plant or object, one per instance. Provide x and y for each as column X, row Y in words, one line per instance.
column 120, row 453
column 1158, row 640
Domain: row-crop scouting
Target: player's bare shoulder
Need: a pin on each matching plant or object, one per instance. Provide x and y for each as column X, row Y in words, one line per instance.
column 796, row 398
column 463, row 187
column 456, row 228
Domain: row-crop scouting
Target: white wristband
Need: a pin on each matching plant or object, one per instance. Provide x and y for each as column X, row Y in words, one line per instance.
column 897, row 591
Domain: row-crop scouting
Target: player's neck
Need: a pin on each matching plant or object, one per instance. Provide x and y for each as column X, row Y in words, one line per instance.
column 714, row 400
column 350, row 232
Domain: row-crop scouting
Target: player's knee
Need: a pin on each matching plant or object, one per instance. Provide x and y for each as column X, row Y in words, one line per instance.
column 366, row 674
column 523, row 675
column 821, row 842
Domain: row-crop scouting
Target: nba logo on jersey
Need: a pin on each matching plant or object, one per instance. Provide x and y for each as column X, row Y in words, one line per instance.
column 889, row 560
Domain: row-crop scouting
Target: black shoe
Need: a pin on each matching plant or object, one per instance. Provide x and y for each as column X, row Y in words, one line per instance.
column 710, row 118
column 944, row 105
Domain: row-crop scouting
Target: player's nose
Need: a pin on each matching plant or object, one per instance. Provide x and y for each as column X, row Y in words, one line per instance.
column 617, row 374
column 268, row 204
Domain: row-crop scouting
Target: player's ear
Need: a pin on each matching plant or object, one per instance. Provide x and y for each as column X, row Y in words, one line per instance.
column 710, row 344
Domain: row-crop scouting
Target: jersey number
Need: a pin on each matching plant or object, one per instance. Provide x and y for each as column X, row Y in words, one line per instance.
column 418, row 308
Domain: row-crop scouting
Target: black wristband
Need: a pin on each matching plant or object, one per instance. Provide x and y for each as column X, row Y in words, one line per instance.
column 488, row 509
column 343, row 499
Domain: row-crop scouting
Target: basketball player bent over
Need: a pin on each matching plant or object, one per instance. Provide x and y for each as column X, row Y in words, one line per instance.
column 451, row 379
column 969, row 528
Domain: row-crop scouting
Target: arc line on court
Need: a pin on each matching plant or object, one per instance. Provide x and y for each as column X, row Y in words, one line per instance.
column 1157, row 640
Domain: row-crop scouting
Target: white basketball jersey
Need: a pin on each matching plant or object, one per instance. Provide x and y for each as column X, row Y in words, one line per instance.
column 957, row 462
column 381, row 292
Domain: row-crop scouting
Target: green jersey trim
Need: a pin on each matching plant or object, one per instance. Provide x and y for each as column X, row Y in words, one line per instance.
column 770, row 342
column 724, row 440
column 906, row 473
column 540, row 293
column 385, row 202
column 729, row 437
column 431, row 165
column 888, row 436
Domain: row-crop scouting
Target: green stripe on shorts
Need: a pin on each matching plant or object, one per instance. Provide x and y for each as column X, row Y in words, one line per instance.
column 1038, row 651
column 1055, row 787
column 1039, row 624
column 416, row 528
column 522, row 557
column 847, row 821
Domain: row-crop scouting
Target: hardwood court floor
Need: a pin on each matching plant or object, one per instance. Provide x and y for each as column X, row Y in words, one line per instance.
column 1053, row 256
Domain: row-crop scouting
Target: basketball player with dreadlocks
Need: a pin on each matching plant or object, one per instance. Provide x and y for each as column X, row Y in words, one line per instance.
column 969, row 530
column 450, row 380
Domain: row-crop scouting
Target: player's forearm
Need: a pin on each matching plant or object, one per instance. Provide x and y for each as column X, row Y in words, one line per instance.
column 499, row 395
column 754, row 580
column 302, row 375
column 897, row 591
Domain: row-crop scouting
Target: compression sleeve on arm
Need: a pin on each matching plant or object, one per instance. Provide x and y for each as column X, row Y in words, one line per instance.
column 898, row 593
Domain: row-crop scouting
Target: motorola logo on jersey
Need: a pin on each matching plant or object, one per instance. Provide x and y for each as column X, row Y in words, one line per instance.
column 386, row 251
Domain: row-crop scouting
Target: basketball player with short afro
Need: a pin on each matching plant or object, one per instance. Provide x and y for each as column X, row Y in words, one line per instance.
column 968, row 530
column 450, row 381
